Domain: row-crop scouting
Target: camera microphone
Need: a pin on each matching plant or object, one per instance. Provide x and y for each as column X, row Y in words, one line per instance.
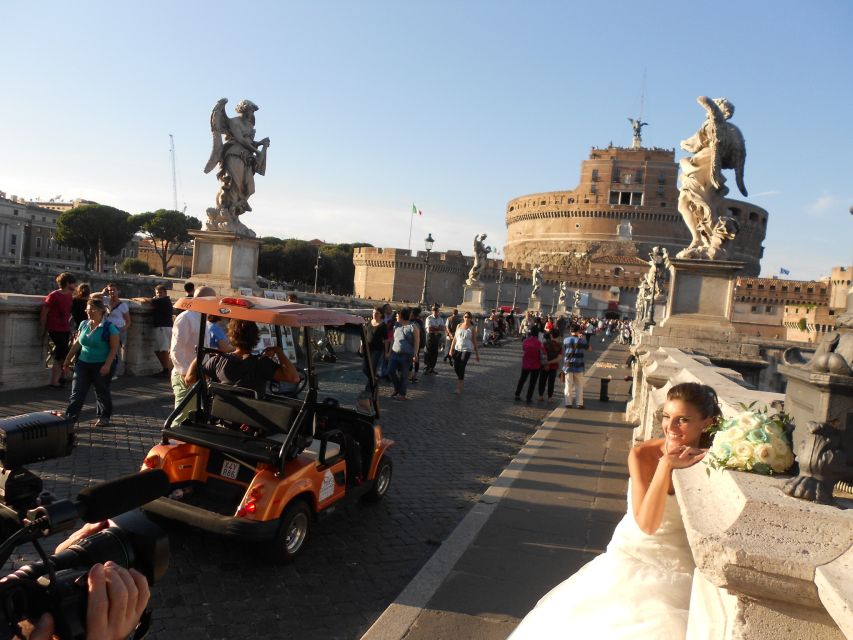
column 110, row 499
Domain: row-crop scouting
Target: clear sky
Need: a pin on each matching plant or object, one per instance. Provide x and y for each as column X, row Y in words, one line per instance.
column 457, row 106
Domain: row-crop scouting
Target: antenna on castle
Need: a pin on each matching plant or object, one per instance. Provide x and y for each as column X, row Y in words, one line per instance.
column 174, row 177
column 638, row 124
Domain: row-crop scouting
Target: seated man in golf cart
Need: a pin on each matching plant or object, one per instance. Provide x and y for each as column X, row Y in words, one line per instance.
column 243, row 369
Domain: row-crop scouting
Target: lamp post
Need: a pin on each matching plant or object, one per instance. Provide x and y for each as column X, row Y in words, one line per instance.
column 515, row 291
column 317, row 269
column 498, row 297
column 428, row 242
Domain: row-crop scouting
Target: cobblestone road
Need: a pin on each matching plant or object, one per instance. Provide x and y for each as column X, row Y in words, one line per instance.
column 448, row 450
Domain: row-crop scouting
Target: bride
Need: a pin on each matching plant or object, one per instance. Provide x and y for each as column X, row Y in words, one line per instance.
column 639, row 588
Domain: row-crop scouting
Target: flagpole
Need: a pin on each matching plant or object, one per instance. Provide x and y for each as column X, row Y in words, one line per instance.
column 411, row 220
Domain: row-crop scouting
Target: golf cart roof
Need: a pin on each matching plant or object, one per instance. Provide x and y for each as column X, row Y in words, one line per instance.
column 267, row 311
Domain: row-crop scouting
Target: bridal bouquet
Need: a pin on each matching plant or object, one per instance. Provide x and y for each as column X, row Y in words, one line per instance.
column 751, row 441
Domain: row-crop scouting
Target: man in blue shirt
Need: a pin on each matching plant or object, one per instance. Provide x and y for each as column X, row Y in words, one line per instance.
column 573, row 366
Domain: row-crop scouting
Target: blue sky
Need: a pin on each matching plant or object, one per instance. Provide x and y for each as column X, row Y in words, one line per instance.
column 457, row 106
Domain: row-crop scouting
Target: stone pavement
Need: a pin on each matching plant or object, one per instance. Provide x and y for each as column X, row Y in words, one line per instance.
column 449, row 451
column 552, row 510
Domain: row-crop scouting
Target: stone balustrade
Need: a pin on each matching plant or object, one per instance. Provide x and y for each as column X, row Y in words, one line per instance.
column 767, row 565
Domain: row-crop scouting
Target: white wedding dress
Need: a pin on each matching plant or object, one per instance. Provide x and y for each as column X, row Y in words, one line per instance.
column 639, row 588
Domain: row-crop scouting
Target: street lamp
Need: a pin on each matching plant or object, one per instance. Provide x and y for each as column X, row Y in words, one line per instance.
column 317, row 269
column 500, row 281
column 515, row 291
column 428, row 242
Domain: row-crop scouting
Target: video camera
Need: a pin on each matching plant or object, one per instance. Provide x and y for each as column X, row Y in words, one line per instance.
column 58, row 583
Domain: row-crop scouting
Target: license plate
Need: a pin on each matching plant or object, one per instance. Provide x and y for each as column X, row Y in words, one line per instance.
column 230, row 469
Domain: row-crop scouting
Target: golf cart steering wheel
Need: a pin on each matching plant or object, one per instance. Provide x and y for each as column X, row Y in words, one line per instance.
column 290, row 389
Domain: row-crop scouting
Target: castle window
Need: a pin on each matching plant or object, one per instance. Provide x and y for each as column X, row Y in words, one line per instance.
column 625, row 197
column 661, row 177
column 760, row 286
column 593, row 189
column 595, row 175
column 38, row 243
column 511, row 208
column 660, row 191
column 637, row 199
column 749, row 285
column 753, row 216
column 768, row 309
column 638, row 176
column 14, row 238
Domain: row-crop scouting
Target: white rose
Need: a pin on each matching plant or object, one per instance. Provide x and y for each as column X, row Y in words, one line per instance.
column 765, row 453
column 731, row 435
column 736, row 462
column 783, row 462
column 743, row 450
column 747, row 420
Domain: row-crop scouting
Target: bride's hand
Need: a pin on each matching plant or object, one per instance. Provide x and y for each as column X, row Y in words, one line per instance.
column 683, row 457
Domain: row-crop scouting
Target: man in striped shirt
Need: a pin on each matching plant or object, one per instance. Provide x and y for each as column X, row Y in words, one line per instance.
column 573, row 366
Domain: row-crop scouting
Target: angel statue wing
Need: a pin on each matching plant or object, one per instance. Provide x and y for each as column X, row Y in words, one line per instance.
column 733, row 154
column 218, row 127
column 714, row 122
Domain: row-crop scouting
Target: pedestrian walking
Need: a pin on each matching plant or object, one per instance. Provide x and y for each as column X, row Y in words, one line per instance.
column 404, row 350
column 78, row 305
column 533, row 357
column 96, row 348
column 548, row 374
column 573, row 367
column 119, row 316
column 434, row 328
column 182, row 350
column 55, row 322
column 464, row 343
column 450, row 325
column 419, row 325
column 378, row 345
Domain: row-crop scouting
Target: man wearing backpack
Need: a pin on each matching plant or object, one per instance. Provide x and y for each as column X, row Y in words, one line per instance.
column 573, row 366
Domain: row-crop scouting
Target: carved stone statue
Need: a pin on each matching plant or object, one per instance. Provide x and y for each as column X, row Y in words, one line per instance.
column 576, row 304
column 481, row 252
column 644, row 297
column 716, row 146
column 562, row 299
column 537, row 280
column 239, row 158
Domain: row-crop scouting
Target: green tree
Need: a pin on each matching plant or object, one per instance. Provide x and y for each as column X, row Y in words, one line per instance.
column 167, row 230
column 95, row 229
column 136, row 266
column 294, row 261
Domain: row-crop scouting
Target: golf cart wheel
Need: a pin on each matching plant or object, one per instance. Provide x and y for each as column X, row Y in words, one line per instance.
column 382, row 481
column 292, row 532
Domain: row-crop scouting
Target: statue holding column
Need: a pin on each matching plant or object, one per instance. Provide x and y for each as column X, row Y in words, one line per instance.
column 716, row 146
column 239, row 157
column 481, row 253
column 537, row 280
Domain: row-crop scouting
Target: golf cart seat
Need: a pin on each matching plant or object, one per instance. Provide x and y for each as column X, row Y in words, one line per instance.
column 239, row 406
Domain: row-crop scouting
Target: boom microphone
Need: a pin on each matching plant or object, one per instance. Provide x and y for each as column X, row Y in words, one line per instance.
column 110, row 499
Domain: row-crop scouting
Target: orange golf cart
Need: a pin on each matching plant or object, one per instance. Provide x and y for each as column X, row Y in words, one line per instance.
column 264, row 468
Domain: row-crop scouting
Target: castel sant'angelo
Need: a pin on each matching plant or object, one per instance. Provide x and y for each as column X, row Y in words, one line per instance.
column 626, row 203
column 596, row 237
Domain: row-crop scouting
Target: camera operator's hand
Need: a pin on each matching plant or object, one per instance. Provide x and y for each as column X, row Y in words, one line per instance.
column 117, row 597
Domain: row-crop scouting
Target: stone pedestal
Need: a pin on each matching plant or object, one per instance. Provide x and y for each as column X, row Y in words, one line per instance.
column 534, row 304
column 474, row 299
column 700, row 293
column 225, row 261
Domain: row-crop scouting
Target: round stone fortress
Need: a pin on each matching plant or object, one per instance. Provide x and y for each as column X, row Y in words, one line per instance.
column 626, row 203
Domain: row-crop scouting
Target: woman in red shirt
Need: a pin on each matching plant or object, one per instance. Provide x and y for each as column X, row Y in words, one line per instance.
column 532, row 355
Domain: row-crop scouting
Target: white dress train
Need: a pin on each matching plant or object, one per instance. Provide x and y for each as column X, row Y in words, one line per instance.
column 639, row 588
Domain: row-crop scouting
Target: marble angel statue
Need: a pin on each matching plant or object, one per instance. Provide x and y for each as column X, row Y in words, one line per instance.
column 716, row 146
column 239, row 157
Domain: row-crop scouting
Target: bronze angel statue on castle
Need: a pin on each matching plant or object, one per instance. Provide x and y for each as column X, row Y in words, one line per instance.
column 716, row 146
column 239, row 158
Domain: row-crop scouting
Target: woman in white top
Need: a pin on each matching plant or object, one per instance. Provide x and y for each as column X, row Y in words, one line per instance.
column 464, row 344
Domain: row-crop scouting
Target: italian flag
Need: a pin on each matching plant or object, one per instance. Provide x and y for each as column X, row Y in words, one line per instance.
column 415, row 210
